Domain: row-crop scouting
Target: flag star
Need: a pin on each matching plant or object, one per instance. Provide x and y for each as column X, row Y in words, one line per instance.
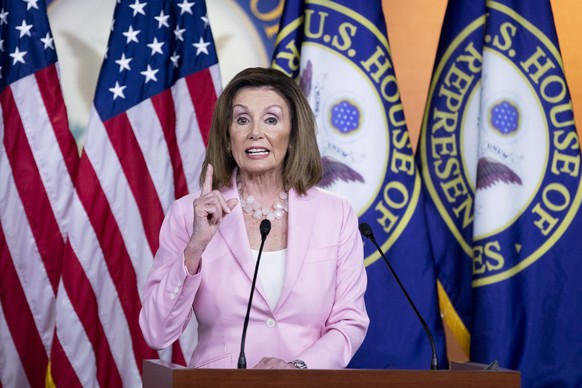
column 175, row 58
column 156, row 46
column 131, row 35
column 162, row 19
column 123, row 63
column 31, row 4
column 4, row 16
column 1, row 44
column 18, row 56
column 117, row 90
column 186, row 7
column 138, row 7
column 179, row 32
column 24, row 29
column 201, row 46
column 205, row 20
column 149, row 74
column 48, row 41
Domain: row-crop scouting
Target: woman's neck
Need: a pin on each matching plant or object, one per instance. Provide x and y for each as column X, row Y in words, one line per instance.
column 261, row 186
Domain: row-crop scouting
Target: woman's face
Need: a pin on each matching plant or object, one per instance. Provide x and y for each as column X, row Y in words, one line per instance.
column 260, row 130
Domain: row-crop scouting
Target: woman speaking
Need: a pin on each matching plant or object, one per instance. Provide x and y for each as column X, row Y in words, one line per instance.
column 262, row 162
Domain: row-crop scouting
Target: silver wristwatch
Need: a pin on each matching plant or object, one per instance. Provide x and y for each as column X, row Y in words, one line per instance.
column 299, row 364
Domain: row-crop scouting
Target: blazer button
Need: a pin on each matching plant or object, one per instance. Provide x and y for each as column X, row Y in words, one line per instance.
column 271, row 322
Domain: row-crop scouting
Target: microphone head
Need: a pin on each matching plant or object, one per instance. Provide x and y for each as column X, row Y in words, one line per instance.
column 366, row 230
column 265, row 227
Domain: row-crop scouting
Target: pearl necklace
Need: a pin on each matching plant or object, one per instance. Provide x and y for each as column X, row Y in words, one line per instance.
column 275, row 212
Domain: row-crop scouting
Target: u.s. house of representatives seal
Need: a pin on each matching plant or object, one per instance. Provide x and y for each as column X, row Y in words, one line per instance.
column 500, row 146
column 344, row 67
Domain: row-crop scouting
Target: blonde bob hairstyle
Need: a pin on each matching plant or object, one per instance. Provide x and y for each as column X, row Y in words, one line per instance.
column 302, row 168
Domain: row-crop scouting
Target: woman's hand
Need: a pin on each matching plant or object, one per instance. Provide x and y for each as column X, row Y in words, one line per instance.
column 273, row 363
column 209, row 209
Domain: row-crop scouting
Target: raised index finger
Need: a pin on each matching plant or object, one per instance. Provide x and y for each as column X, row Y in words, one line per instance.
column 207, row 184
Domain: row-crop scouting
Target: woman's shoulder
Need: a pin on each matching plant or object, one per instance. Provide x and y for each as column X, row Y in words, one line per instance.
column 329, row 204
column 325, row 196
column 188, row 197
column 185, row 202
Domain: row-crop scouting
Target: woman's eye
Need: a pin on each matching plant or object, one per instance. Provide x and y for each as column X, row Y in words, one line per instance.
column 272, row 120
column 242, row 120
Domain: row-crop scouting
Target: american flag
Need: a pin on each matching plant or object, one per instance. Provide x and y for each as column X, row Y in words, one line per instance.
column 38, row 157
column 143, row 148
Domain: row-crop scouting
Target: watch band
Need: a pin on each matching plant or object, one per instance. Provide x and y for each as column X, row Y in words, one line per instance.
column 299, row 364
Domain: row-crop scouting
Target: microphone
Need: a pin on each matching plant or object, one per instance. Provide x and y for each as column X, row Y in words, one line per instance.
column 264, row 228
column 366, row 230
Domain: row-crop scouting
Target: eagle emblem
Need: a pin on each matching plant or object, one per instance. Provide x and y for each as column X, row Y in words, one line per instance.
column 490, row 171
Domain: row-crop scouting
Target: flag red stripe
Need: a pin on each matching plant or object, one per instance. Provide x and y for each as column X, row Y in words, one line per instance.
column 178, row 354
column 31, row 190
column 85, row 303
column 53, row 101
column 164, row 106
column 66, row 376
column 140, row 182
column 199, row 84
column 19, row 319
column 115, row 253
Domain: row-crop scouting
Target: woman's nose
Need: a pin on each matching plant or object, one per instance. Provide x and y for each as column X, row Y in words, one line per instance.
column 256, row 132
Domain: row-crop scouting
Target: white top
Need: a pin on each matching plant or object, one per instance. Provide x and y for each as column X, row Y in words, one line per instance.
column 271, row 274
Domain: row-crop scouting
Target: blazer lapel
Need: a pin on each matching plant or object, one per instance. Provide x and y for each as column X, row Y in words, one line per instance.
column 233, row 231
column 302, row 212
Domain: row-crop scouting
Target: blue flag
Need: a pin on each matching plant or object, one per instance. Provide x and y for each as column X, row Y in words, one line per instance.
column 339, row 52
column 501, row 164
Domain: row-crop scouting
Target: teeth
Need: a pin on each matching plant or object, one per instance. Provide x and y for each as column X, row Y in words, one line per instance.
column 257, row 151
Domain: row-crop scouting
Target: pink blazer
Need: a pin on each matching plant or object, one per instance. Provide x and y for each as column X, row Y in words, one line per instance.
column 320, row 317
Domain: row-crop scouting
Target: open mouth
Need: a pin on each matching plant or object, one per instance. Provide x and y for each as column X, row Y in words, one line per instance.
column 257, row 151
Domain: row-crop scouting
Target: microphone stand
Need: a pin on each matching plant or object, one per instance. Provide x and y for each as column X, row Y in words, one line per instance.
column 265, row 228
column 366, row 230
